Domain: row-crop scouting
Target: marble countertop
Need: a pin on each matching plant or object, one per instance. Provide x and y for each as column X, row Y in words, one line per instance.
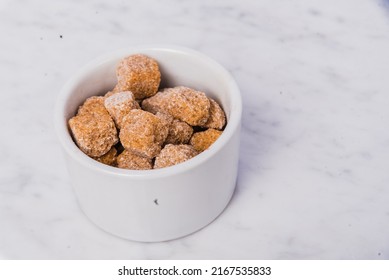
column 313, row 178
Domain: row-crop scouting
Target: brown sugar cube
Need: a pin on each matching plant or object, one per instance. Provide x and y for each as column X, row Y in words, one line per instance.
column 93, row 128
column 109, row 158
column 184, row 104
column 120, row 104
column 143, row 133
column 174, row 154
column 217, row 118
column 202, row 140
column 139, row 74
column 93, row 133
column 93, row 105
column 179, row 133
column 129, row 160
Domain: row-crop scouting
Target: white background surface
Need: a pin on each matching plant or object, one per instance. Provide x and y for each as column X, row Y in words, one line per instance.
column 313, row 177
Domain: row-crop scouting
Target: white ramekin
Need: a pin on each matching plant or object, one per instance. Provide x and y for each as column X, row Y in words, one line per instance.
column 161, row 204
